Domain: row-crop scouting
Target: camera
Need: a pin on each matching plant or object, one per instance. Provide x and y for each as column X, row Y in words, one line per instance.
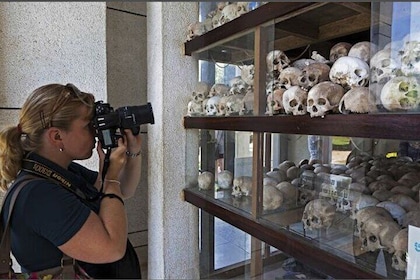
column 110, row 123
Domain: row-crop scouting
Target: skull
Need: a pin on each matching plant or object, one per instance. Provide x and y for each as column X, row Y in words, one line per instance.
column 411, row 218
column 382, row 194
column 229, row 13
column 384, row 65
column 318, row 214
column 295, row 101
column 272, row 85
column 290, row 192
column 323, row 98
column 242, row 185
column 272, row 198
column 313, row 74
column 275, row 102
column 289, row 77
column 225, row 179
column 277, row 60
column 302, row 63
column 277, row 175
column 305, row 196
column 205, row 180
column 400, row 244
column 195, row 29
column 366, row 213
column 358, row 100
column 234, row 104
column 362, row 50
column 221, row 106
column 219, row 90
column 339, row 50
column 247, row 103
column 378, row 233
column 350, row 72
column 247, row 74
column 396, row 211
column 237, row 86
column 201, row 92
column 363, row 201
column 410, row 62
column 401, row 94
column 194, row 108
column 215, row 19
column 212, row 106
column 404, row 201
column 242, row 7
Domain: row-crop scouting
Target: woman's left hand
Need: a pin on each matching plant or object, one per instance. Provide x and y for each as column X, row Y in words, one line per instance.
column 133, row 141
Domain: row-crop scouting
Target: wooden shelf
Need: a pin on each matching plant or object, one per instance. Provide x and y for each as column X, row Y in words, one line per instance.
column 299, row 247
column 380, row 126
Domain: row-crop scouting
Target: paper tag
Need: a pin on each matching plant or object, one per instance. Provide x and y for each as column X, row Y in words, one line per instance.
column 413, row 254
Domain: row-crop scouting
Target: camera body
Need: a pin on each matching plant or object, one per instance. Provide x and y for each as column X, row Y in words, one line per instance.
column 110, row 123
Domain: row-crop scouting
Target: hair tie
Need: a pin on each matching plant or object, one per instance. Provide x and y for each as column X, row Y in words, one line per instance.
column 19, row 128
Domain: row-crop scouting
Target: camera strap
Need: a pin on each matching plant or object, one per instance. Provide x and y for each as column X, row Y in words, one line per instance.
column 41, row 170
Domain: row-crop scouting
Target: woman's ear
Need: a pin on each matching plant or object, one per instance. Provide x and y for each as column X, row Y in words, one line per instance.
column 54, row 136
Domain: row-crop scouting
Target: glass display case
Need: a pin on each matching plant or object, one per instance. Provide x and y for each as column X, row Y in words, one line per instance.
column 302, row 149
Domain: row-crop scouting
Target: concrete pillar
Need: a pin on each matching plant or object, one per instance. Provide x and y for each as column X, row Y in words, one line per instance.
column 173, row 151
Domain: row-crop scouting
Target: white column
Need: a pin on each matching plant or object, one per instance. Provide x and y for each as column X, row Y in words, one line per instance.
column 173, row 151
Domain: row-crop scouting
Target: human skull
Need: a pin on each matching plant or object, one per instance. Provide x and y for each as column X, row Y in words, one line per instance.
column 242, row 7
column 411, row 218
column 247, row 74
column 378, row 233
column 277, row 175
column 212, row 106
column 358, row 100
column 194, row 108
column 247, row 106
column 368, row 212
column 401, row 94
column 277, row 60
column 400, row 244
column 237, row 86
column 318, row 214
column 215, row 19
column 195, row 29
column 205, row 180
column 396, row 211
column 234, row 104
column 384, row 65
column 363, row 201
column 200, row 92
column 339, row 50
column 275, row 102
column 290, row 192
column 289, row 77
column 221, row 106
column 313, row 74
column 229, row 13
column 323, row 98
column 362, row 50
column 219, row 90
column 295, row 101
column 242, row 186
column 272, row 198
column 349, row 72
column 225, row 179
column 302, row 63
column 410, row 54
column 305, row 196
column 406, row 202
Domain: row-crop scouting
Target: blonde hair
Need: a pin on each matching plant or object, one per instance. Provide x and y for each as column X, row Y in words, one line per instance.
column 47, row 106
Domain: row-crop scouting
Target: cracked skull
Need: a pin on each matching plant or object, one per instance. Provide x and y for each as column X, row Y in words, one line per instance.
column 313, row 74
column 339, row 50
column 277, row 60
column 242, row 186
column 350, row 72
column 401, row 94
column 295, row 101
column 400, row 243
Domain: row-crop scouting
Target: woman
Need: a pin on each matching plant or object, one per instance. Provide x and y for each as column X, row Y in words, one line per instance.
column 68, row 208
